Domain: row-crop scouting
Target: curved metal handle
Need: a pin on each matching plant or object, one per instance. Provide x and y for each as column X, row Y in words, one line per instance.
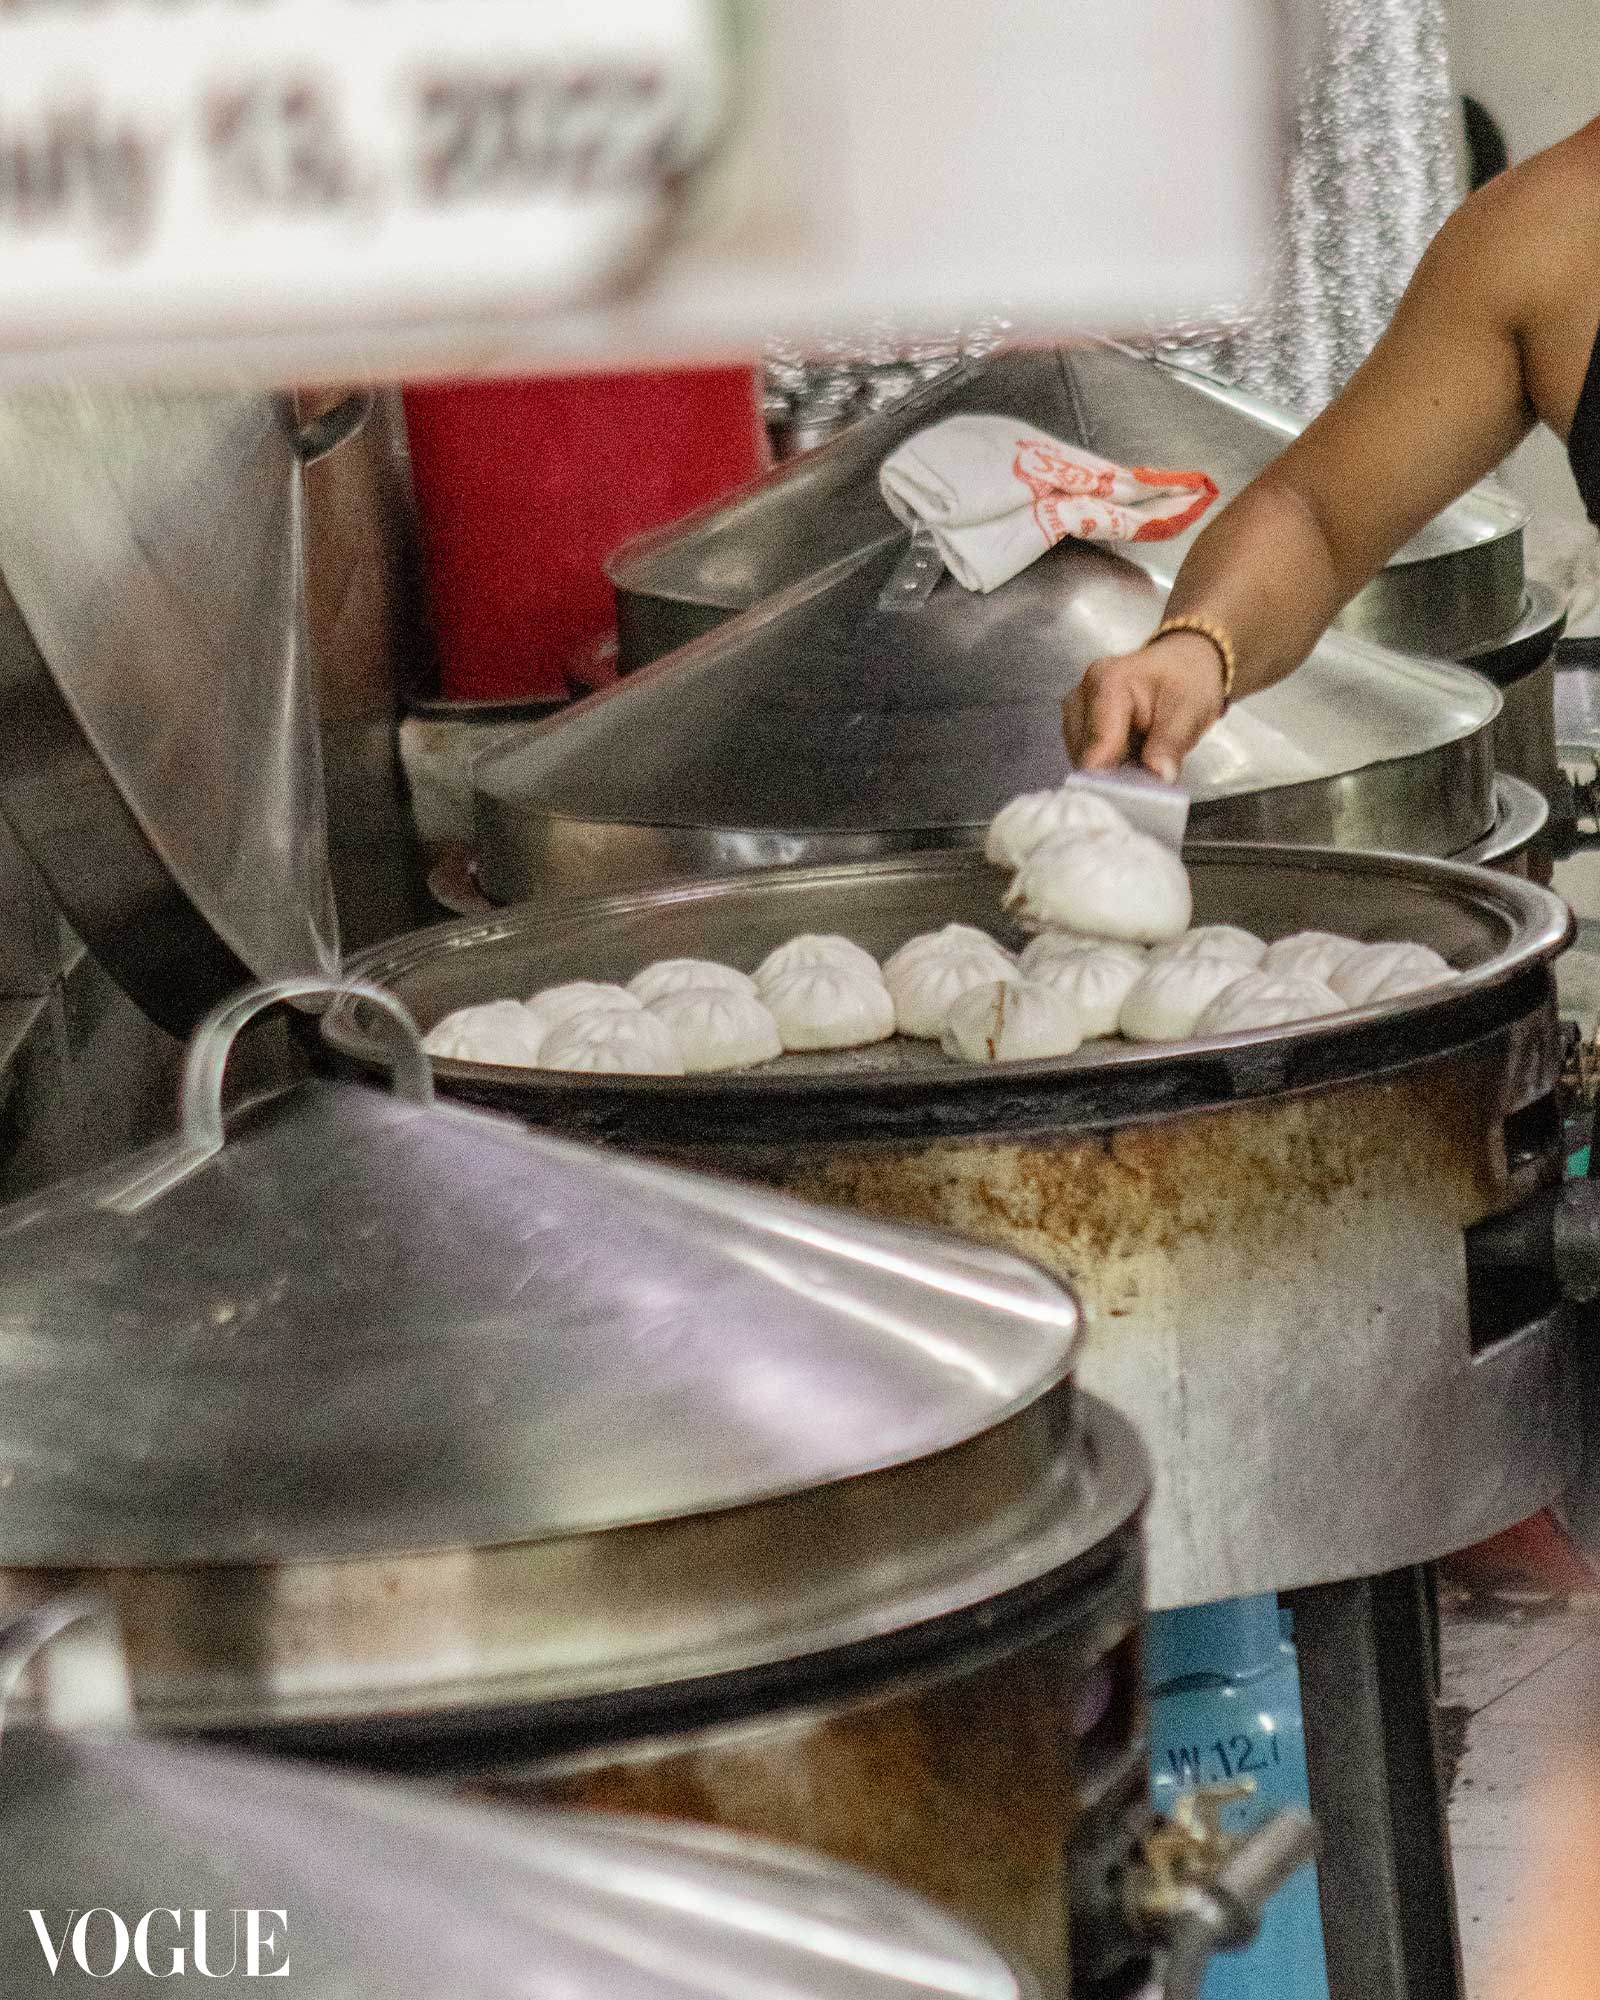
column 78, row 1640
column 333, row 428
column 202, row 1131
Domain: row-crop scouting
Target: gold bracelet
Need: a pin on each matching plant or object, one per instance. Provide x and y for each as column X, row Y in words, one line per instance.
column 1219, row 638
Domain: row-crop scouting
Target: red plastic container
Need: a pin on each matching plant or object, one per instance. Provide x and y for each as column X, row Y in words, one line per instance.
column 525, row 487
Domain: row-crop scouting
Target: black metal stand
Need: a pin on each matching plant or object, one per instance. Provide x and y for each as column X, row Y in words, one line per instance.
column 1368, row 1690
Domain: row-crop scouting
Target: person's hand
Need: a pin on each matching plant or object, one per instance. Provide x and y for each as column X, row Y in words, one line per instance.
column 1155, row 705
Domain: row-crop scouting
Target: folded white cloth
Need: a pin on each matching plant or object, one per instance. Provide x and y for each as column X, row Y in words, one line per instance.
column 996, row 494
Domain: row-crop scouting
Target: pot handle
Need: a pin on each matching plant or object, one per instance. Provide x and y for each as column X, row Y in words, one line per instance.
column 315, row 439
column 201, row 1130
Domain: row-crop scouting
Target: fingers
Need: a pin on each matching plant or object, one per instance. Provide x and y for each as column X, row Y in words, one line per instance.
column 1100, row 720
column 1183, row 714
column 1155, row 704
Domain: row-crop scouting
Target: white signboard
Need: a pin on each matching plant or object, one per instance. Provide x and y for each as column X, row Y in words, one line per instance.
column 312, row 188
column 185, row 173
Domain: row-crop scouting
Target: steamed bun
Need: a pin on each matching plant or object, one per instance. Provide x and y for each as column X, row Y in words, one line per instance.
column 1010, row 1021
column 953, row 938
column 1018, row 828
column 499, row 1031
column 1267, row 1000
column 680, row 975
column 557, row 1004
column 1216, row 941
column 1051, row 948
column 1109, row 885
column 1171, row 995
column 924, row 989
column 1094, row 984
column 1386, row 971
column 1314, row 955
column 614, row 1044
column 829, row 1006
column 809, row 950
column 716, row 1028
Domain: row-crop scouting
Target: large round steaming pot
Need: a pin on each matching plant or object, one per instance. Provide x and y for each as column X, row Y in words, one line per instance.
column 398, row 1434
column 426, row 1899
column 1281, row 1240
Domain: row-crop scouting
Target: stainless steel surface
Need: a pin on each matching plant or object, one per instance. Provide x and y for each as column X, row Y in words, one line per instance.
column 1267, row 1232
column 1146, row 802
column 494, row 1339
column 434, row 1900
column 160, row 762
column 817, row 729
column 802, row 518
column 1521, row 815
column 365, row 614
column 554, row 1638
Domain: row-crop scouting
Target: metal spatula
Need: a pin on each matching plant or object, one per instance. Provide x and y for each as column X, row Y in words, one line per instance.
column 1148, row 802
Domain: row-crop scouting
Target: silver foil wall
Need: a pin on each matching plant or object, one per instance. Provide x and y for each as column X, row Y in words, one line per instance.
column 1373, row 169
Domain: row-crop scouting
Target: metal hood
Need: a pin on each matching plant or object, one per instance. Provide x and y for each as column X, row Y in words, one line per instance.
column 805, row 724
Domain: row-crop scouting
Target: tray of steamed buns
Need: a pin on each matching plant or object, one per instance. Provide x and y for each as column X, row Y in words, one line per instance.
column 1091, row 945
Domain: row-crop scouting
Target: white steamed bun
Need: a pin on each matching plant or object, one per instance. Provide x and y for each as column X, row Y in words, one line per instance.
column 716, row 1028
column 1216, row 941
column 499, row 1031
column 615, row 1044
column 809, row 950
column 1314, row 955
column 679, row 975
column 954, row 937
column 829, row 1006
column 1094, row 984
column 1172, row 994
column 1386, row 971
column 1022, row 825
column 1056, row 947
column 558, row 1004
column 1010, row 1021
column 1109, row 885
column 923, row 990
column 1267, row 1000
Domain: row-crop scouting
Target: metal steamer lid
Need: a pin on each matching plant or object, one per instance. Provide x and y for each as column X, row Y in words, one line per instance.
column 366, row 1325
column 794, row 720
column 159, row 757
column 429, row 1898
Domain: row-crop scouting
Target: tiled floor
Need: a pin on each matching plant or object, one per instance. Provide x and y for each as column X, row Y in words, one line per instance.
column 1517, row 1669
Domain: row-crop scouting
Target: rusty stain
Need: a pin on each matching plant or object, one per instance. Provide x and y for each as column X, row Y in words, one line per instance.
column 962, row 1791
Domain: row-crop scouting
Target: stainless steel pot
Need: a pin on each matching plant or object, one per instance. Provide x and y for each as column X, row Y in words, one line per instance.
column 1286, row 1242
column 396, row 1433
column 426, row 1898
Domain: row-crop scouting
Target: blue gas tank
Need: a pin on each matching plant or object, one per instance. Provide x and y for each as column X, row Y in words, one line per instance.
column 1225, row 1705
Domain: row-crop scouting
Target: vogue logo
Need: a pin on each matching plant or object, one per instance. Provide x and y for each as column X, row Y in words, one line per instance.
column 168, row 1944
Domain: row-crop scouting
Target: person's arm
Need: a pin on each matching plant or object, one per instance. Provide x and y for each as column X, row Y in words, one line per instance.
column 1438, row 403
